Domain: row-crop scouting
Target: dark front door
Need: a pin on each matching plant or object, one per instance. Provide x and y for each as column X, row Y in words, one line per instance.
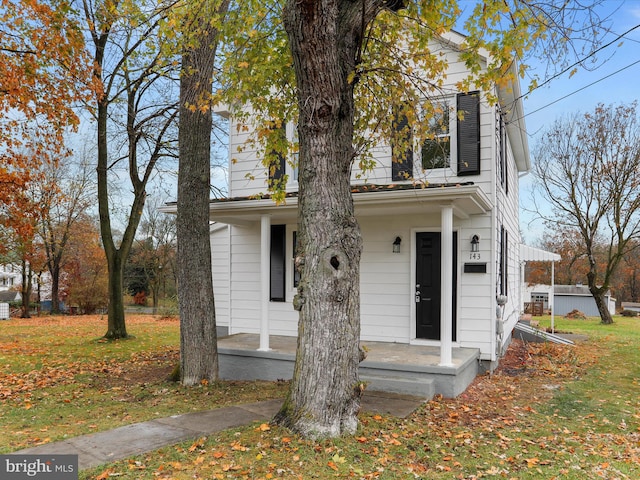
column 427, row 294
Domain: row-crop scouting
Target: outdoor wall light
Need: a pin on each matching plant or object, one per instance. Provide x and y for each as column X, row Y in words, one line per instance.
column 475, row 243
column 396, row 245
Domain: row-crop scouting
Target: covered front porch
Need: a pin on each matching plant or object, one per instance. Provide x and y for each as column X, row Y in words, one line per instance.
column 389, row 367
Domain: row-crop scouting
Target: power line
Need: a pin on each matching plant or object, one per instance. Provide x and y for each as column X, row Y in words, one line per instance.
column 579, row 90
column 579, row 61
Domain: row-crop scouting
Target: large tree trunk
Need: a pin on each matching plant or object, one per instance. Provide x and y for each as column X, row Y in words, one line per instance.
column 602, row 304
column 198, row 339
column 325, row 38
column 27, row 277
column 116, row 324
column 55, row 288
column 599, row 291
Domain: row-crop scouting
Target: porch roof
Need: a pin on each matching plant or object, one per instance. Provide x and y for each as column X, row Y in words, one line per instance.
column 369, row 199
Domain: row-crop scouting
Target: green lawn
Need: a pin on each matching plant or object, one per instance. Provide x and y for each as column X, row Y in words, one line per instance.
column 60, row 379
column 551, row 412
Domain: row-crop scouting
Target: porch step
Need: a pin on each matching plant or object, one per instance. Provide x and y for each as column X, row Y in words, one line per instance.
column 423, row 387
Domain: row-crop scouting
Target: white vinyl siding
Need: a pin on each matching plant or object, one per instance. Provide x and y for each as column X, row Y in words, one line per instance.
column 220, row 265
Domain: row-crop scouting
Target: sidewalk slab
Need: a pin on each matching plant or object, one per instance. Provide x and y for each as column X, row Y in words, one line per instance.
column 123, row 442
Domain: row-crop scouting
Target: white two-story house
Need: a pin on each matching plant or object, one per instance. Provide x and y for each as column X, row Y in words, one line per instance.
column 440, row 269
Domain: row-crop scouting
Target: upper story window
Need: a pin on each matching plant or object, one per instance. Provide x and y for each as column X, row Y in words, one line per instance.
column 457, row 117
column 436, row 150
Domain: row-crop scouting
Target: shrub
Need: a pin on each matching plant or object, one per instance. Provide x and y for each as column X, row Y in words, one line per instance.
column 140, row 298
column 629, row 313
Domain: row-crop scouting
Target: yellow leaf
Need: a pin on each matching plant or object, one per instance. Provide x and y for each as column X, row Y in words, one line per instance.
column 243, row 65
column 264, row 427
column 338, row 459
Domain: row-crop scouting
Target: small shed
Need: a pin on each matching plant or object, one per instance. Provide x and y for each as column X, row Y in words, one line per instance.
column 578, row 297
column 631, row 306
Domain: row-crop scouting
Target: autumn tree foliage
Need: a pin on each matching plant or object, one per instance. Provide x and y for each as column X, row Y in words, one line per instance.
column 44, row 73
column 573, row 266
column 626, row 283
column 63, row 194
column 341, row 71
column 152, row 263
column 20, row 221
column 587, row 167
column 85, row 280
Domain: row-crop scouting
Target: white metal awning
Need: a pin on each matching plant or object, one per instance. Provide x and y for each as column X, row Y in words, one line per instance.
column 533, row 254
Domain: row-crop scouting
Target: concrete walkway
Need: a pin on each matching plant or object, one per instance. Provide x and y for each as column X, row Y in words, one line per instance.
column 124, row 442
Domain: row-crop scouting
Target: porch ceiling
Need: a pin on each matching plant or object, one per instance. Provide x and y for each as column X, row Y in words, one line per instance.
column 466, row 200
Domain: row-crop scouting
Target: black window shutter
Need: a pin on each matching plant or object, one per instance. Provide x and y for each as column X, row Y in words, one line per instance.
column 504, row 260
column 504, row 174
column 468, row 133
column 402, row 151
column 277, row 263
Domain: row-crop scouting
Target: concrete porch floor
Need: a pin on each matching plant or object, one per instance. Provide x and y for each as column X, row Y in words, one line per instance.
column 389, row 367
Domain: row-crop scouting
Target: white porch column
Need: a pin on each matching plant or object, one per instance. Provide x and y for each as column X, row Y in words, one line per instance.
column 446, row 285
column 265, row 255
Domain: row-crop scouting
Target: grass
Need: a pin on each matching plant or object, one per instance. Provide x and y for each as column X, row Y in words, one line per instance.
column 549, row 412
column 60, row 378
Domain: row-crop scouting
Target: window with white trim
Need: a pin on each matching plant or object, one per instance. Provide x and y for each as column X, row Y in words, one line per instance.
column 436, row 150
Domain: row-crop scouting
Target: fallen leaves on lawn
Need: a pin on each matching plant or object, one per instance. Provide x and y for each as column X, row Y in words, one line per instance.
column 492, row 427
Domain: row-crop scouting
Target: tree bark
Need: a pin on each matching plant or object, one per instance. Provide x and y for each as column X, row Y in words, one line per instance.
column 55, row 288
column 325, row 37
column 116, row 326
column 27, row 277
column 198, row 338
column 603, row 307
